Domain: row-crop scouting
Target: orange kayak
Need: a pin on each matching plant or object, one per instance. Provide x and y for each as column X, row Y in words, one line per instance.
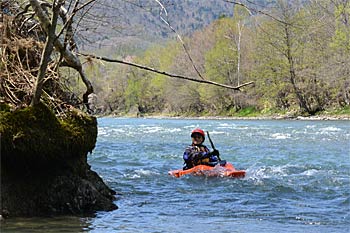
column 218, row 170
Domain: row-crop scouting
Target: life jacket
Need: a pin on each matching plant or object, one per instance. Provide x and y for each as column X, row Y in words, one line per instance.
column 201, row 148
column 191, row 156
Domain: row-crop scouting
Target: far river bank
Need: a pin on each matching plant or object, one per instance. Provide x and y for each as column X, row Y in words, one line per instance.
column 321, row 117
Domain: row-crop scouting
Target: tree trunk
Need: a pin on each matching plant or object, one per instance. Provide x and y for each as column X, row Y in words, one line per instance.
column 70, row 59
column 45, row 57
column 239, row 27
column 292, row 77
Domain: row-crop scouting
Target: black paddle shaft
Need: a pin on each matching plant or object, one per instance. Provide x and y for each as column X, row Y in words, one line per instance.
column 212, row 144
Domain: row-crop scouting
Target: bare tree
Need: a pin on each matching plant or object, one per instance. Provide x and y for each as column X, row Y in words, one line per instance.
column 50, row 40
column 45, row 10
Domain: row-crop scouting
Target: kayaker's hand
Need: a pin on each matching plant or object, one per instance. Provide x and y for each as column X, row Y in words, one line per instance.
column 215, row 152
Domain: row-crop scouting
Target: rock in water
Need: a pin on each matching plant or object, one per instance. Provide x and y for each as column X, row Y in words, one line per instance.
column 44, row 169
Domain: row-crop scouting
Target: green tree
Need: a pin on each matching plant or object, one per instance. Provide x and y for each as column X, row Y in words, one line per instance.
column 225, row 60
column 289, row 59
column 341, row 36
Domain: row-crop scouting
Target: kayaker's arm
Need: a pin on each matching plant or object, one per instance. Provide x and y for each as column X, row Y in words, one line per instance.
column 215, row 152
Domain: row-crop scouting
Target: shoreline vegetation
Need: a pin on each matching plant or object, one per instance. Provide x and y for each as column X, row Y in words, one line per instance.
column 327, row 115
column 276, row 117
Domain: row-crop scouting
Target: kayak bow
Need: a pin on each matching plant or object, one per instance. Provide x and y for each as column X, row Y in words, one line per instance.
column 218, row 170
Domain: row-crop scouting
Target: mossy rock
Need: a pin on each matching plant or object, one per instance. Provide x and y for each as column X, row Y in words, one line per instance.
column 44, row 169
column 34, row 137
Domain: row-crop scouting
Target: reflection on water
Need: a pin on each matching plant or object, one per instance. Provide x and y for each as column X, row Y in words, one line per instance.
column 55, row 224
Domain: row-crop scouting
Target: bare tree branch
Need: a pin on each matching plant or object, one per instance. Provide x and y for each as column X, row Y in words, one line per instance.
column 163, row 9
column 249, row 9
column 70, row 59
column 166, row 73
column 68, row 22
column 45, row 57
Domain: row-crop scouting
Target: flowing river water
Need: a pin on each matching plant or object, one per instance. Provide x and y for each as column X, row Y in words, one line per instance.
column 297, row 180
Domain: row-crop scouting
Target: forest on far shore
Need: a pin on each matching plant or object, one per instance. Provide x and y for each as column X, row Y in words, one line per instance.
column 297, row 55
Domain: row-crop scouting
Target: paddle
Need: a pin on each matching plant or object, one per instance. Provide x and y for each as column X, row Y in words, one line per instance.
column 212, row 145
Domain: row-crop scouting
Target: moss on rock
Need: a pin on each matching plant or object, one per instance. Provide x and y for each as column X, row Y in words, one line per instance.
column 34, row 136
column 44, row 167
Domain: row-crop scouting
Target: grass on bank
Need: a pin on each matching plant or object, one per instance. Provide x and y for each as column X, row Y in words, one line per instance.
column 345, row 111
column 248, row 112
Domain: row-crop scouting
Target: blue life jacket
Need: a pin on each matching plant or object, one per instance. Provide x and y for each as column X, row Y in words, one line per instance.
column 198, row 154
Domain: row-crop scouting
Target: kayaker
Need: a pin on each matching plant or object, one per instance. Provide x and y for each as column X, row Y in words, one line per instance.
column 197, row 153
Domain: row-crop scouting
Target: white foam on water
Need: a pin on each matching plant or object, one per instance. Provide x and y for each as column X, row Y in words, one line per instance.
column 140, row 173
column 158, row 129
column 173, row 130
column 106, row 131
column 153, row 129
column 266, row 172
column 330, row 129
column 227, row 126
column 102, row 131
column 310, row 172
column 132, row 176
column 311, row 126
column 281, row 136
column 191, row 126
column 118, row 130
column 217, row 132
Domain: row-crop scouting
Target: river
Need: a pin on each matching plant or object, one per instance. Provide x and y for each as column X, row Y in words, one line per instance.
column 297, row 180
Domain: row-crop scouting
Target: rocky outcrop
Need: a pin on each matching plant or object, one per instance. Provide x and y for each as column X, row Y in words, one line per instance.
column 44, row 169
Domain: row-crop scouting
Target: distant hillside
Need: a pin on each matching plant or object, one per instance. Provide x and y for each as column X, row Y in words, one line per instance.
column 137, row 24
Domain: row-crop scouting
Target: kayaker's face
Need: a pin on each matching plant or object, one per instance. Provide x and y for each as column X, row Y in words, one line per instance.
column 197, row 139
